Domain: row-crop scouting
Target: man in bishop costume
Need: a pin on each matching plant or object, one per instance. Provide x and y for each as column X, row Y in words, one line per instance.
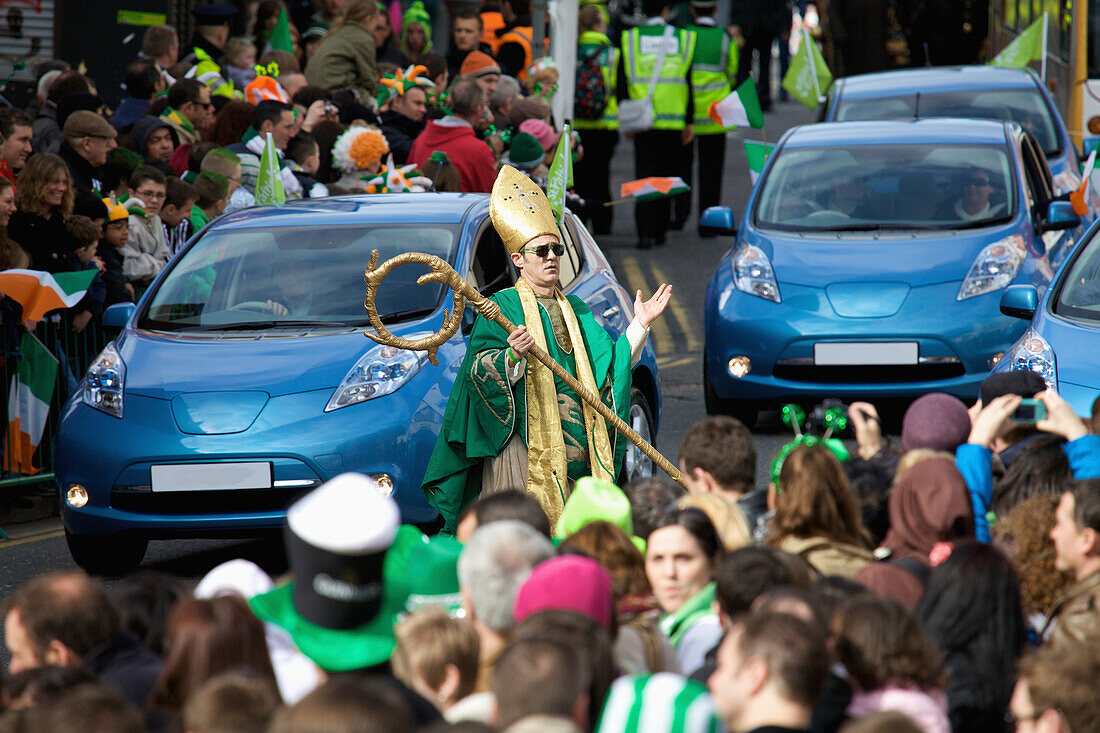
column 510, row 422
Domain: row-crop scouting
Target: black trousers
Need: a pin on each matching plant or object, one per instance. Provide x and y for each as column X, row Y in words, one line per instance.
column 592, row 177
column 710, row 150
column 656, row 153
column 760, row 41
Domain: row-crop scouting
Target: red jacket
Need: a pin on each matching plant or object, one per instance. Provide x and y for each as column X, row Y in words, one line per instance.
column 471, row 156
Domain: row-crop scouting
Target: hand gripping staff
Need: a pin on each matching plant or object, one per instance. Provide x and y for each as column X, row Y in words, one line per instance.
column 442, row 272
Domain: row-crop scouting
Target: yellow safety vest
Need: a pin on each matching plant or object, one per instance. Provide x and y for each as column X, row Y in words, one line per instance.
column 586, row 45
column 640, row 48
column 713, row 71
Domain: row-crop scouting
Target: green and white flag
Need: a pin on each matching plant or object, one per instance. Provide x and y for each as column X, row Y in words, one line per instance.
column 269, row 186
column 1029, row 46
column 741, row 107
column 757, row 154
column 808, row 76
column 29, row 404
column 561, row 176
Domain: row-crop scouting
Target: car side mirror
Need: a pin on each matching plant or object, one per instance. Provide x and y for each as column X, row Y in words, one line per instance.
column 717, row 220
column 1020, row 301
column 1060, row 216
column 117, row 315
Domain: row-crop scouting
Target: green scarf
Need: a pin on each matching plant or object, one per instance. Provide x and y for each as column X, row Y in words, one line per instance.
column 675, row 625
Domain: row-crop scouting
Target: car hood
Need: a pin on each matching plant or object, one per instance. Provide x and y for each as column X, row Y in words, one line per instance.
column 165, row 366
column 919, row 259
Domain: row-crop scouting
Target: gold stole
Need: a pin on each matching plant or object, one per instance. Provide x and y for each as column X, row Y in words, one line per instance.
column 547, row 470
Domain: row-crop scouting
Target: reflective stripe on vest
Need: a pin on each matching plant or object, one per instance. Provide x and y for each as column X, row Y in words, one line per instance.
column 521, row 35
column 610, row 70
column 710, row 76
column 670, row 98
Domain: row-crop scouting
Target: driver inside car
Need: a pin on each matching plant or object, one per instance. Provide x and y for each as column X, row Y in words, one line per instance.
column 974, row 202
column 293, row 285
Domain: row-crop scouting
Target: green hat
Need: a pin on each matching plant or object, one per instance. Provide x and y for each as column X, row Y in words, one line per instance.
column 417, row 14
column 662, row 701
column 423, row 571
column 835, row 446
column 594, row 500
column 526, row 152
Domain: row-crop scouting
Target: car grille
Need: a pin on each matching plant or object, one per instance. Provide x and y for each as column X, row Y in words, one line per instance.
column 237, row 501
column 886, row 374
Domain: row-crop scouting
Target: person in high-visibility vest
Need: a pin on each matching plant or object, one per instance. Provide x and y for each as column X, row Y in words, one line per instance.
column 514, row 54
column 599, row 133
column 712, row 75
column 658, row 151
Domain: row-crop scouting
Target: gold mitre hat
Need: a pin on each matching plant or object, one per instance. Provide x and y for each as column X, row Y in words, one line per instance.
column 519, row 209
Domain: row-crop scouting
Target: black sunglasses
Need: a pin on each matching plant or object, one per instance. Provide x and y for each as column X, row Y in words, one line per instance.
column 543, row 250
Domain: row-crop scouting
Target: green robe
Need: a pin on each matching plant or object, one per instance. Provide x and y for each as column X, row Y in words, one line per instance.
column 484, row 411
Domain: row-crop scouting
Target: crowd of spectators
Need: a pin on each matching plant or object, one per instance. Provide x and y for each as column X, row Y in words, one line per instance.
column 730, row 607
column 356, row 94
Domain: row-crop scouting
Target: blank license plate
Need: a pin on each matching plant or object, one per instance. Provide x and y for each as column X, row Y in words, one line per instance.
column 865, row 354
column 211, row 476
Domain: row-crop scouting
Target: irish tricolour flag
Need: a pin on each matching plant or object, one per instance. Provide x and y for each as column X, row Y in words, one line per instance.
column 654, row 187
column 741, row 107
column 757, row 153
column 28, row 404
column 41, row 292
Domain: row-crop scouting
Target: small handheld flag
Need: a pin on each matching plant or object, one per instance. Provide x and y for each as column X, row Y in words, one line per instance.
column 648, row 189
column 280, row 40
column 1027, row 47
column 1078, row 197
column 757, row 154
column 40, row 292
column 741, row 107
column 32, row 388
column 269, row 186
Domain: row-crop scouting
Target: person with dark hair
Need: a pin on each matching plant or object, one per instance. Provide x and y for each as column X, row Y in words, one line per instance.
column 929, row 505
column 756, row 23
column 145, row 599
column 681, row 557
column 1075, row 617
column 230, row 122
column 42, row 686
column 466, row 31
column 47, row 129
column 189, row 109
column 892, row 663
column 972, row 610
column 771, row 672
column 143, row 82
column 15, row 141
column 718, row 455
column 303, row 157
column 995, row 431
column 67, row 619
column 161, row 44
column 120, row 167
column 402, row 119
column 387, row 50
column 539, row 682
column 1041, row 467
column 90, row 708
column 204, row 638
column 83, row 237
column 817, row 514
column 149, row 189
column 506, row 504
column 1056, row 691
column 346, row 705
column 455, row 135
column 649, row 498
column 175, row 215
column 276, row 118
column 592, row 644
column 233, row 702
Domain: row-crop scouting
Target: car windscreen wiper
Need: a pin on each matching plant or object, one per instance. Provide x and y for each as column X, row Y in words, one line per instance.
column 983, row 223
column 878, row 227
column 262, row 325
column 400, row 315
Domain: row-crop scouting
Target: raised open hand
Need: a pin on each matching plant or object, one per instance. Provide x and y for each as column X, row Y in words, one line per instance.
column 647, row 311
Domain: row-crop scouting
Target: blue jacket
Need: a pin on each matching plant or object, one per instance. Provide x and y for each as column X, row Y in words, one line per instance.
column 973, row 462
column 128, row 112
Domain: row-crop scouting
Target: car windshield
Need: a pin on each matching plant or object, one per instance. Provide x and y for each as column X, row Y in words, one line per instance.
column 873, row 187
column 1080, row 294
column 263, row 278
column 1025, row 107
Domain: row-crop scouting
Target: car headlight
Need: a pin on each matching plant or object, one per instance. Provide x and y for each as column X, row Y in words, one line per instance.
column 994, row 267
column 753, row 274
column 104, row 382
column 1032, row 353
column 380, row 371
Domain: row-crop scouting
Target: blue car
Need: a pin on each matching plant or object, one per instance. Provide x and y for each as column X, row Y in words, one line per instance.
column 870, row 261
column 1063, row 337
column 243, row 378
column 982, row 92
